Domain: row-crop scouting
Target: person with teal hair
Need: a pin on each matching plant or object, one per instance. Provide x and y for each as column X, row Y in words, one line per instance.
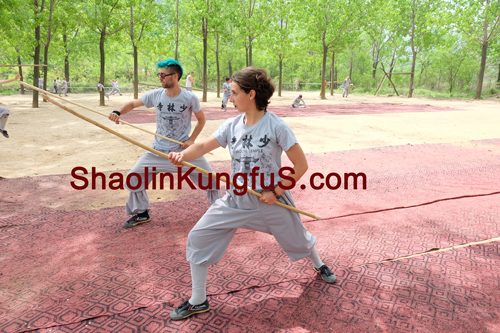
column 174, row 65
column 174, row 108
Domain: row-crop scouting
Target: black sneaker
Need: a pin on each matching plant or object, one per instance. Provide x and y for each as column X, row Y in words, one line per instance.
column 137, row 219
column 5, row 134
column 186, row 309
column 326, row 274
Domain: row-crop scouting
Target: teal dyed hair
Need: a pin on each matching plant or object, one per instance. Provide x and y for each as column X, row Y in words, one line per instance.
column 171, row 62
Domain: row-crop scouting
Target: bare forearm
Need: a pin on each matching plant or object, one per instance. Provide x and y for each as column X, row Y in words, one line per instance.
column 194, row 151
column 298, row 171
column 126, row 108
column 7, row 81
column 197, row 129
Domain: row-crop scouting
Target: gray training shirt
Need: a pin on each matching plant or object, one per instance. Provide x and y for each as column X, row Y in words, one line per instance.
column 297, row 100
column 227, row 86
column 173, row 116
column 260, row 146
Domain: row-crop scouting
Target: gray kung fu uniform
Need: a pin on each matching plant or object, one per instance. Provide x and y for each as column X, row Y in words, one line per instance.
column 40, row 83
column 258, row 146
column 298, row 102
column 346, row 85
column 4, row 115
column 115, row 89
column 173, row 120
column 100, row 87
column 227, row 94
column 65, row 86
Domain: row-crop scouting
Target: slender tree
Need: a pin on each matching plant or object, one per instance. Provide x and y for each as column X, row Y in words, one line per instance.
column 105, row 18
column 334, row 24
column 479, row 20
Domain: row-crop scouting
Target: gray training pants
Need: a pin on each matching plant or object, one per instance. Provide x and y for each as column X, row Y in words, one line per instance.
column 138, row 201
column 345, row 92
column 115, row 90
column 3, row 120
column 225, row 99
column 210, row 237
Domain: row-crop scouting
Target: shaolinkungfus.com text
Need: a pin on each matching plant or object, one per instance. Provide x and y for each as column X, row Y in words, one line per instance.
column 241, row 181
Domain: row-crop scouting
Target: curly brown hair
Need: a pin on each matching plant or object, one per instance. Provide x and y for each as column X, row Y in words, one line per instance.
column 253, row 78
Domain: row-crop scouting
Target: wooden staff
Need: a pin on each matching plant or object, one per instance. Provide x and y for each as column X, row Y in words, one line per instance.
column 102, row 114
column 23, row 65
column 159, row 153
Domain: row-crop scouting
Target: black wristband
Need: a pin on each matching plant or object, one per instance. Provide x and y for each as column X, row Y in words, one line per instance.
column 117, row 112
column 275, row 194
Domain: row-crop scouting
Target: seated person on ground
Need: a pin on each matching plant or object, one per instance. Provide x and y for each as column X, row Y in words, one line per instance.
column 298, row 102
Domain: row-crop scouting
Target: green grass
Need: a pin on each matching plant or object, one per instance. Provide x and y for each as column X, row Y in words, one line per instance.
column 9, row 92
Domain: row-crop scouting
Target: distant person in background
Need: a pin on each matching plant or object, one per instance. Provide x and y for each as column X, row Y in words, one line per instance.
column 55, row 86
column 100, row 87
column 190, row 82
column 4, row 112
column 115, row 88
column 227, row 93
column 40, row 83
column 296, row 84
column 346, row 85
column 298, row 102
column 58, row 85
column 65, row 87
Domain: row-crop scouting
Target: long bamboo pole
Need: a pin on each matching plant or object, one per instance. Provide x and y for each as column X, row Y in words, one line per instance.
column 159, row 153
column 23, row 65
column 153, row 85
column 99, row 113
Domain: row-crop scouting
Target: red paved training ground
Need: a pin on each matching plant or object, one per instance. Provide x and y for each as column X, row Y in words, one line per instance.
column 80, row 271
column 144, row 116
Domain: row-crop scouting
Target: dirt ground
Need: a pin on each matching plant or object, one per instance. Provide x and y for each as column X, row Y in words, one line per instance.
column 51, row 141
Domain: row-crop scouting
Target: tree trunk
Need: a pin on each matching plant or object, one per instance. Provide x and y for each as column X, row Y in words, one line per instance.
column 231, row 69
column 134, row 46
column 246, row 54
column 480, row 79
column 101, row 51
column 66, row 61
column 36, row 70
column 498, row 80
column 20, row 72
column 205, row 49
column 414, row 59
column 336, row 72
column 136, row 74
column 412, row 75
column 323, row 72
column 375, row 64
column 46, row 48
column 350, row 70
column 280, row 77
column 391, row 67
column 250, row 51
column 484, row 51
column 451, row 81
column 45, row 62
column 217, row 61
column 332, row 79
column 177, row 33
column 45, row 69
